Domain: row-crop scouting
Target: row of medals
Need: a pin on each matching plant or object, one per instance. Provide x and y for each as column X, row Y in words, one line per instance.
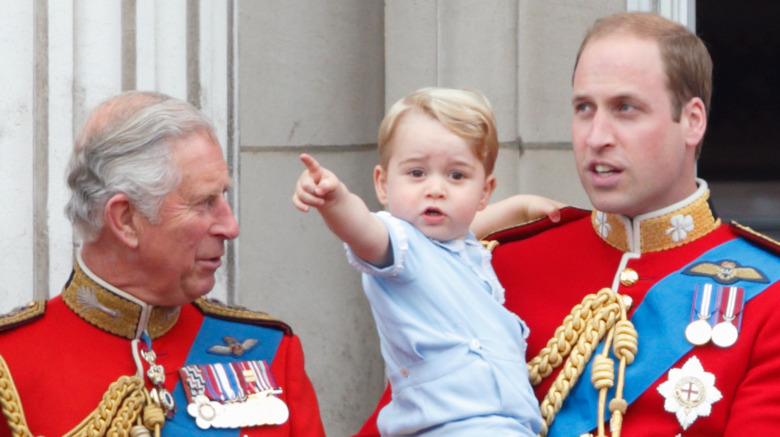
column 254, row 405
column 700, row 331
column 262, row 408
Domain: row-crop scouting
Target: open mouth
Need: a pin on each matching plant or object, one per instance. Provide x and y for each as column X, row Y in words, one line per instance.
column 604, row 170
column 433, row 212
column 433, row 216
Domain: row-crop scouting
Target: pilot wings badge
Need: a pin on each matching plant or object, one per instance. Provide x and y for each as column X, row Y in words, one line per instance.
column 233, row 347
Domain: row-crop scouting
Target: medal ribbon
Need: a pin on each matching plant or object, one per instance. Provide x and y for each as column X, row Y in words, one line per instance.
column 236, row 381
column 265, row 380
column 226, row 382
column 211, row 333
column 731, row 304
column 246, row 377
column 213, row 391
column 660, row 320
column 705, row 303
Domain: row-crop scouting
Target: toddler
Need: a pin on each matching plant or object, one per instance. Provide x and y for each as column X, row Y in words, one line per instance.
column 455, row 356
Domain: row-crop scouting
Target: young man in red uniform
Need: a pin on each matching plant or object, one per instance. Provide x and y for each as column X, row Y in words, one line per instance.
column 131, row 347
column 684, row 304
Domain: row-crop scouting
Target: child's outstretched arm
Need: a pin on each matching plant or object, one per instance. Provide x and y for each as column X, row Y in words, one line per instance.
column 514, row 210
column 345, row 213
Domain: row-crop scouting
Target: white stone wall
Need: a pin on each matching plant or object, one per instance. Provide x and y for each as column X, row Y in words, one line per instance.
column 17, row 107
column 62, row 58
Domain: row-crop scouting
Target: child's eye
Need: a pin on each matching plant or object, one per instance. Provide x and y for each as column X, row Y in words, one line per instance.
column 456, row 175
column 417, row 173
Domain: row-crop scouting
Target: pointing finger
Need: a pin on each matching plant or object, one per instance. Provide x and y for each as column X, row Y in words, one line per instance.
column 314, row 167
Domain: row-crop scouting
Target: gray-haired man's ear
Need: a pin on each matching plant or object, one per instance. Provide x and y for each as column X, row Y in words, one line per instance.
column 120, row 218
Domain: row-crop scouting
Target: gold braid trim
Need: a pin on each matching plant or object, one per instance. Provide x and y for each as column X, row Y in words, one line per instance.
column 599, row 315
column 217, row 309
column 119, row 413
column 11, row 404
column 24, row 314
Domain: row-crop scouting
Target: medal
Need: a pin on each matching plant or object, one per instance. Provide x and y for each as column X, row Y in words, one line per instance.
column 689, row 392
column 233, row 395
column 726, row 332
column 699, row 331
column 156, row 374
column 268, row 409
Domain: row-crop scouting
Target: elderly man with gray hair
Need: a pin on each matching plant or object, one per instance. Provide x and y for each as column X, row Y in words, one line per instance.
column 131, row 347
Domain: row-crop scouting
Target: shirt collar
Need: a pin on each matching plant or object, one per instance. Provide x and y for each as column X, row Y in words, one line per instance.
column 113, row 310
column 667, row 228
column 458, row 244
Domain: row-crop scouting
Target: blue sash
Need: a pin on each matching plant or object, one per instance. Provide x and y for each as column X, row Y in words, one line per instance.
column 660, row 320
column 211, row 333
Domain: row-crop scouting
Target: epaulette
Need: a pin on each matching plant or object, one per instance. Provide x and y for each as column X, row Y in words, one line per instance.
column 765, row 242
column 23, row 315
column 220, row 310
column 529, row 229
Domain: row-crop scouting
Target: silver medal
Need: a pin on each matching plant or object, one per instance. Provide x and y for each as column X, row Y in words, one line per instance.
column 724, row 334
column 207, row 413
column 698, row 332
column 268, row 409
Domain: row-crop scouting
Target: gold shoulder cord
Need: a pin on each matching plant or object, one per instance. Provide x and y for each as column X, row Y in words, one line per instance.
column 10, row 403
column 126, row 410
column 599, row 315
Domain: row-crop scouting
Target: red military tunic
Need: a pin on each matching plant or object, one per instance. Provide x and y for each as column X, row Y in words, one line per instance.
column 63, row 362
column 547, row 269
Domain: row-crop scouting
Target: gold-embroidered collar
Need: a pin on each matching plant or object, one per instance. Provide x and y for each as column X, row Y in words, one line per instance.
column 113, row 310
column 665, row 229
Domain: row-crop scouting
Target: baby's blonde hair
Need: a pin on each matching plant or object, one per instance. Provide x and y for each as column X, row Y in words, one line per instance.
column 466, row 113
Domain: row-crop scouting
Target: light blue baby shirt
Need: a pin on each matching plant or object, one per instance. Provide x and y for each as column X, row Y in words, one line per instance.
column 455, row 356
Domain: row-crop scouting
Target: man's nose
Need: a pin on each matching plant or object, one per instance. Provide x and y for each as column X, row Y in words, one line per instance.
column 601, row 133
column 226, row 224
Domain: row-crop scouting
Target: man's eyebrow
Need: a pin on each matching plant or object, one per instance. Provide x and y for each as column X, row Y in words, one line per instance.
column 624, row 96
column 577, row 98
column 620, row 96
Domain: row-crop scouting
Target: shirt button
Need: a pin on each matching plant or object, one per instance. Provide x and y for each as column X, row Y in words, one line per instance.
column 628, row 277
column 475, row 345
column 404, row 372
